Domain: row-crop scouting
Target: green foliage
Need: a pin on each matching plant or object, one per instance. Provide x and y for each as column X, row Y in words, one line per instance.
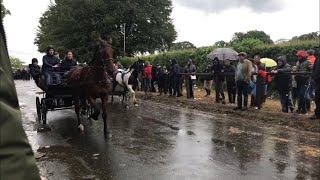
column 309, row 36
column 288, row 49
column 254, row 34
column 16, row 63
column 4, row 11
column 246, row 45
column 221, row 44
column 76, row 26
column 183, row 45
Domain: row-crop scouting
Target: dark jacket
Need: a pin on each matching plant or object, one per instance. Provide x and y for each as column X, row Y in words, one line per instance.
column 217, row 70
column 316, row 70
column 283, row 81
column 230, row 69
column 175, row 69
column 304, row 66
column 35, row 71
column 208, row 77
column 49, row 61
column 67, row 64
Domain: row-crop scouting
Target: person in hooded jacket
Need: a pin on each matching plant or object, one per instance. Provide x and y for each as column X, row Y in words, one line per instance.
column 218, row 78
column 176, row 78
column 304, row 65
column 35, row 70
column 50, row 64
column 283, row 84
column 190, row 68
column 231, row 80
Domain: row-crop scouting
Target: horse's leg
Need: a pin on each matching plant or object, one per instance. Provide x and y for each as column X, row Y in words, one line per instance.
column 104, row 100
column 77, row 109
column 96, row 112
column 114, row 84
column 133, row 94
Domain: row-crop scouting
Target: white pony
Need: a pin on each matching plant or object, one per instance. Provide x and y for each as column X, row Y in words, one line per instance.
column 128, row 80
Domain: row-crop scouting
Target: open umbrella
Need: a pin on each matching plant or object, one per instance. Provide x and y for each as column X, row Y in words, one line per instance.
column 268, row 62
column 223, row 53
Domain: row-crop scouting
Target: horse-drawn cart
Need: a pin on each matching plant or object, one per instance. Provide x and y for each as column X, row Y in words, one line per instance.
column 57, row 96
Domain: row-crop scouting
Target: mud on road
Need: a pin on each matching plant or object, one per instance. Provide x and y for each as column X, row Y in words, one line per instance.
column 269, row 114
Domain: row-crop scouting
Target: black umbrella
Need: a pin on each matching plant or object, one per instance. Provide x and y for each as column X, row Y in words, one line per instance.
column 223, row 53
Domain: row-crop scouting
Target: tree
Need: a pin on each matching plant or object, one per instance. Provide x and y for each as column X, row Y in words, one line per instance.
column 254, row 34
column 246, row 45
column 16, row 63
column 76, row 25
column 183, row 45
column 309, row 36
column 221, row 43
column 4, row 11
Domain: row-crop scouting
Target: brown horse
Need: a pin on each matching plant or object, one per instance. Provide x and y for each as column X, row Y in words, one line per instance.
column 93, row 83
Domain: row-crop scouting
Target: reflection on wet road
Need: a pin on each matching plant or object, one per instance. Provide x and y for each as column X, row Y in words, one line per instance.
column 156, row 141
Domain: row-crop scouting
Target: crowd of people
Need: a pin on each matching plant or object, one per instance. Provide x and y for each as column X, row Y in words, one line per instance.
column 240, row 79
column 21, row 74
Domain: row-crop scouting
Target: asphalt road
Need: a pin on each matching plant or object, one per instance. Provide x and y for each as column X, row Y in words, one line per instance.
column 155, row 141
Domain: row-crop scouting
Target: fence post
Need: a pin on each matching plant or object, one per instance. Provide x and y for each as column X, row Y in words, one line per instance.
column 187, row 82
column 259, row 91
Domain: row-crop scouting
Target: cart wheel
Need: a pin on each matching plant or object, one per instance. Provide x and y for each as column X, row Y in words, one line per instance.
column 44, row 111
column 38, row 108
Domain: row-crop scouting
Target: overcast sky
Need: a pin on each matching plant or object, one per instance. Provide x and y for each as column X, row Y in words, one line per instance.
column 202, row 22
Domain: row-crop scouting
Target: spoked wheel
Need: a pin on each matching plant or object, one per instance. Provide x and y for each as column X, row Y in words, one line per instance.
column 38, row 105
column 44, row 111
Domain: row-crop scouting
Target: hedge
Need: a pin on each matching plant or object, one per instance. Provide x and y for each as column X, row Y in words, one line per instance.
column 200, row 54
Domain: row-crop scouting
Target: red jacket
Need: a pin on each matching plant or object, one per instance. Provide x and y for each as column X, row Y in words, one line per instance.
column 312, row 59
column 147, row 72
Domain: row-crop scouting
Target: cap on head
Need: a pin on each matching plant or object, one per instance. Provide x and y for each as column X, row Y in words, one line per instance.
column 242, row 54
column 302, row 53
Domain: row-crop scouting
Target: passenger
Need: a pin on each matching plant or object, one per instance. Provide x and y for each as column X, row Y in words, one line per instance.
column 35, row 70
column 68, row 62
column 50, row 64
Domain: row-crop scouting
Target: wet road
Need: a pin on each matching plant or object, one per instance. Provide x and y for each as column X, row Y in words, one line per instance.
column 154, row 141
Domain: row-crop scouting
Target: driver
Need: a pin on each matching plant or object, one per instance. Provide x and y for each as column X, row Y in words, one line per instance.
column 50, row 64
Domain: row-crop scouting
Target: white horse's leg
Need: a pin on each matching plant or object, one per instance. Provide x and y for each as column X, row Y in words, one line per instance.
column 133, row 94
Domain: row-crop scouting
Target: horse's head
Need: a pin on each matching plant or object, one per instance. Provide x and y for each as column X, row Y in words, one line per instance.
column 104, row 57
column 140, row 65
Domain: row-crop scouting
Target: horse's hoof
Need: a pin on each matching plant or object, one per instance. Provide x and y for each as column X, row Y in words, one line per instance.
column 136, row 105
column 81, row 127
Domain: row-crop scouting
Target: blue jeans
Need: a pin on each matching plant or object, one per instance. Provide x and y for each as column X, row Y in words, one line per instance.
column 49, row 76
column 242, row 89
column 147, row 85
